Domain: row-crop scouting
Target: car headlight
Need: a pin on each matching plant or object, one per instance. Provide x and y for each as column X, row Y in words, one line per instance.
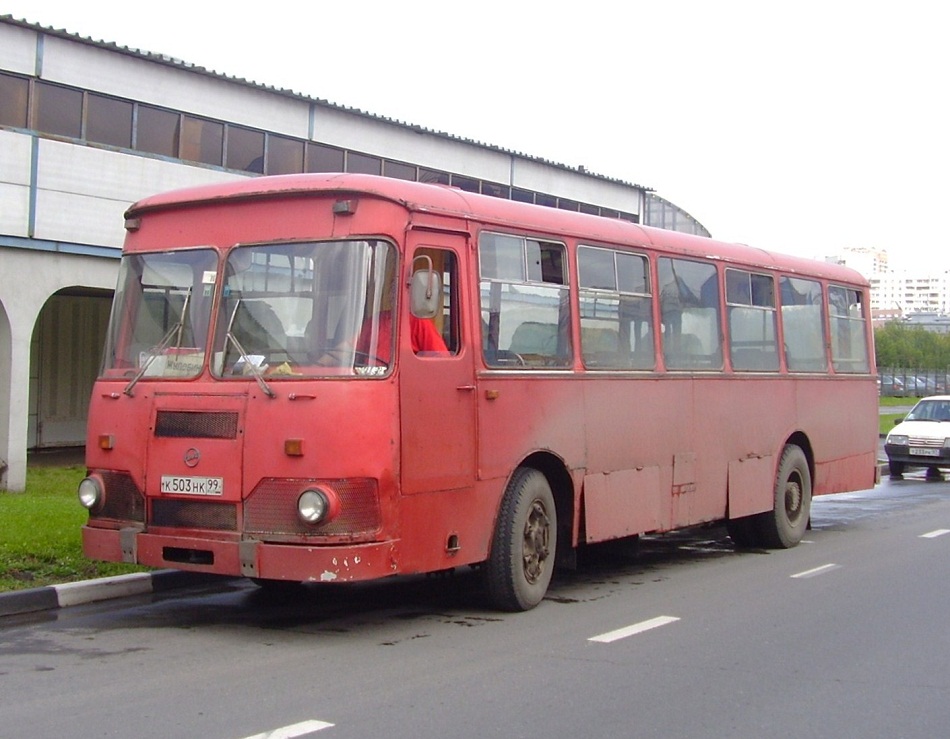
column 317, row 505
column 897, row 439
column 91, row 493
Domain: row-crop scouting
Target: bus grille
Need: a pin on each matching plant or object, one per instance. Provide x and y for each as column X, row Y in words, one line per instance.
column 196, row 425
column 123, row 501
column 272, row 508
column 194, row 514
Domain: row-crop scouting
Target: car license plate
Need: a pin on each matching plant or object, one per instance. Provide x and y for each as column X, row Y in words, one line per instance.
column 924, row 452
column 192, row 485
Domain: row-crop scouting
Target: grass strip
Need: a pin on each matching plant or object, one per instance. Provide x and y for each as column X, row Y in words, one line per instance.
column 40, row 537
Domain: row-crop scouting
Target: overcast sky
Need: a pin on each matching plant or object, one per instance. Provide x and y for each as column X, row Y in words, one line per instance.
column 802, row 127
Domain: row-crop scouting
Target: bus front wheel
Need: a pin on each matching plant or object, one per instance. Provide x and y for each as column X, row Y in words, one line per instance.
column 784, row 526
column 519, row 567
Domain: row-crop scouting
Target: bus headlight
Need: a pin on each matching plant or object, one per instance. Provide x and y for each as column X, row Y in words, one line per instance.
column 316, row 505
column 91, row 493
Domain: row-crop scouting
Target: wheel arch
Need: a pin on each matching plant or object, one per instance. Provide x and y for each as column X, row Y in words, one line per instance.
column 562, row 488
column 801, row 440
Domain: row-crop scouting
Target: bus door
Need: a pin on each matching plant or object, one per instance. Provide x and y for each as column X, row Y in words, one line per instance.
column 437, row 383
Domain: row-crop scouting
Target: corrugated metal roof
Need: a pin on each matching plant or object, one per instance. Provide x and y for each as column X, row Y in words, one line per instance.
column 181, row 64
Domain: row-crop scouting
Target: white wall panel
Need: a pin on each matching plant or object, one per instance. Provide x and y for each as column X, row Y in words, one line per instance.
column 14, row 210
column 17, row 49
column 15, row 157
column 373, row 136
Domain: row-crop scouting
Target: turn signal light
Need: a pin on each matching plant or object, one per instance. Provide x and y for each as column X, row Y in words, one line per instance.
column 293, row 447
column 106, row 441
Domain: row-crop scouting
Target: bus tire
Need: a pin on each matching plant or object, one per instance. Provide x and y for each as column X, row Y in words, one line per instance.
column 521, row 562
column 784, row 526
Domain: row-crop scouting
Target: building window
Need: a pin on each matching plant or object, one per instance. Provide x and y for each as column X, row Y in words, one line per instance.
column 363, row 163
column 284, row 155
column 433, row 176
column 57, row 110
column 322, row 158
column 522, row 196
column 109, row 121
column 245, row 149
column 14, row 92
column 399, row 171
column 202, row 140
column 468, row 184
column 549, row 201
column 496, row 190
column 156, row 131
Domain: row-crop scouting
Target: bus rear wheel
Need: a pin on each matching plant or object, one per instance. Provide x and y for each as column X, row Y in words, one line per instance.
column 521, row 562
column 784, row 526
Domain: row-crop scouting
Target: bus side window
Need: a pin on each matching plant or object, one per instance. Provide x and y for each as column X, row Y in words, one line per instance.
column 439, row 335
column 525, row 303
column 689, row 308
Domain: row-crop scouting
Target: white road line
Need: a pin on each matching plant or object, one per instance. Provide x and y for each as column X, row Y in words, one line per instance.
column 817, row 571
column 634, row 629
column 934, row 534
column 294, row 730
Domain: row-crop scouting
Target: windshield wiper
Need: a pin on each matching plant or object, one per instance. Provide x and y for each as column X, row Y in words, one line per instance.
column 174, row 332
column 255, row 370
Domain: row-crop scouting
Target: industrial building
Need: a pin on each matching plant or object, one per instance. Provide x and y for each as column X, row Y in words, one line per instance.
column 87, row 127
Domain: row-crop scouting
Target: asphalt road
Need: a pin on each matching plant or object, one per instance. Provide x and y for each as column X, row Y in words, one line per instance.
column 844, row 635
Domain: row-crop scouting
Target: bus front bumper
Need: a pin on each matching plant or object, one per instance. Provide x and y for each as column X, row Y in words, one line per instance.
column 250, row 558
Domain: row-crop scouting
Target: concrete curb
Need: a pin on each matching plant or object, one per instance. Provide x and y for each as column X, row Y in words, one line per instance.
column 52, row 597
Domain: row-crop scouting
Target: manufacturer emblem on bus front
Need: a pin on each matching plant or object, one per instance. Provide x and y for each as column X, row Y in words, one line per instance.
column 192, row 457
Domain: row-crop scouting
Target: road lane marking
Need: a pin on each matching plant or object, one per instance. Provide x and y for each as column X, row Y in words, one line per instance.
column 934, row 534
column 816, row 571
column 634, row 629
column 292, row 731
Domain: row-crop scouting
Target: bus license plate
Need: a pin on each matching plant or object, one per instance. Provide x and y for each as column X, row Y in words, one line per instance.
column 193, row 485
column 924, row 452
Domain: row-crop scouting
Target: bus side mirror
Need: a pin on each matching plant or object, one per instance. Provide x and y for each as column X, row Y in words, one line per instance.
column 425, row 292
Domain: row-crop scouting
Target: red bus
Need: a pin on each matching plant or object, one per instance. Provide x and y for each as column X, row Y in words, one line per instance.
column 330, row 378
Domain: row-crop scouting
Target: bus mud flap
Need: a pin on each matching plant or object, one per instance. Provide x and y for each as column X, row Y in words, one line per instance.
column 247, row 550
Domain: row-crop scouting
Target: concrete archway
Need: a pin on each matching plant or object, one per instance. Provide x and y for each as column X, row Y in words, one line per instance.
column 65, row 352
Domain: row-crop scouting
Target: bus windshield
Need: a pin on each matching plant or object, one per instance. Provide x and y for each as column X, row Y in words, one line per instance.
column 160, row 315
column 306, row 309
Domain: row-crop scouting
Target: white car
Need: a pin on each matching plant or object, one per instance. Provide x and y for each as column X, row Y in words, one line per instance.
column 922, row 439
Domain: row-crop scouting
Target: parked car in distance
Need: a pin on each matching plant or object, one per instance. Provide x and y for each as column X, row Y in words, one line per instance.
column 921, row 439
column 890, row 386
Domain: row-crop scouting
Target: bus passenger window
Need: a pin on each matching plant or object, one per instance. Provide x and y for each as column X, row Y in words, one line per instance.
column 689, row 309
column 616, row 311
column 803, row 325
column 750, row 304
column 525, row 306
column 849, row 349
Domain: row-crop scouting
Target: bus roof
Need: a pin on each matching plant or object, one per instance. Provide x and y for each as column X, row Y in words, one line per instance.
column 445, row 200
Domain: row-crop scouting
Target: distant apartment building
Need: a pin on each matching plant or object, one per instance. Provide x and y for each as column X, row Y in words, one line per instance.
column 898, row 294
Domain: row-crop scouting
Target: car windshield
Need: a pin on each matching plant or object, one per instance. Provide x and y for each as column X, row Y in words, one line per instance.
column 930, row 410
column 306, row 310
column 160, row 315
